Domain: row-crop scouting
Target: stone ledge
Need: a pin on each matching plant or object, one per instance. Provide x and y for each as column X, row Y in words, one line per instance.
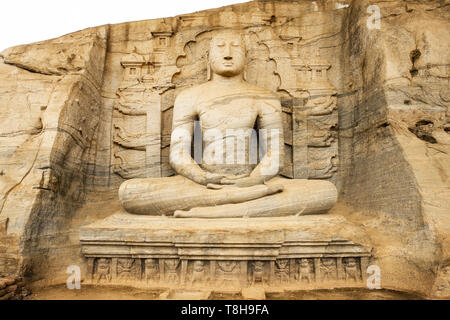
column 170, row 252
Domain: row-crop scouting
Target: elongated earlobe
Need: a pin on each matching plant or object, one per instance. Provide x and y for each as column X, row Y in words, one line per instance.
column 208, row 71
column 244, row 74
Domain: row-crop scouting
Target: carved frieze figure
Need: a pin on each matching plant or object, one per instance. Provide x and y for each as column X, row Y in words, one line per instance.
column 151, row 270
column 305, row 270
column 229, row 181
column 170, row 267
column 126, row 269
column 228, row 272
column 282, row 270
column 258, row 272
column 328, row 269
column 103, row 271
column 351, row 269
column 198, row 273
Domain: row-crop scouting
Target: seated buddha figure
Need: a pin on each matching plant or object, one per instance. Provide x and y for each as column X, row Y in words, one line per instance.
column 236, row 177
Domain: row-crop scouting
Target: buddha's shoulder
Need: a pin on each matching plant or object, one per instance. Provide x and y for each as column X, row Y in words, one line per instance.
column 188, row 93
column 207, row 88
column 200, row 87
column 262, row 92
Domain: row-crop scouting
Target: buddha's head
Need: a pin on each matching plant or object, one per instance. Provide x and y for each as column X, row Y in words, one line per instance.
column 227, row 54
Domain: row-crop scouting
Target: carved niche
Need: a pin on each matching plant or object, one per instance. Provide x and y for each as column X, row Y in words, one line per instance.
column 103, row 270
column 314, row 136
column 138, row 109
column 178, row 60
column 305, row 270
column 282, row 271
column 199, row 273
column 151, row 270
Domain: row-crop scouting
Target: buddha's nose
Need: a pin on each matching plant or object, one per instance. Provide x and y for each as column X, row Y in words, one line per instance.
column 228, row 57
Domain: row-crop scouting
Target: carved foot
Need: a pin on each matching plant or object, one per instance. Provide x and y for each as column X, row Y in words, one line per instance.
column 181, row 214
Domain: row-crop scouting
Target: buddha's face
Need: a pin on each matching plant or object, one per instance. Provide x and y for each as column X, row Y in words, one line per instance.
column 227, row 55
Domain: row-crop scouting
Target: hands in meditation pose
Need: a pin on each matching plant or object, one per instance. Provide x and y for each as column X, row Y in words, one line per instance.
column 229, row 182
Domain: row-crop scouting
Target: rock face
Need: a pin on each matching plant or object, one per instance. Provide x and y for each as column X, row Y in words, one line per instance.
column 365, row 105
column 50, row 95
column 394, row 140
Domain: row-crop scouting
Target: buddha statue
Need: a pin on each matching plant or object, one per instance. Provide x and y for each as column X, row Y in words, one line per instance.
column 236, row 177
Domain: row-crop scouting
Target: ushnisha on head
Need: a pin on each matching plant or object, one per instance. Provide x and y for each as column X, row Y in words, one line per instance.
column 227, row 54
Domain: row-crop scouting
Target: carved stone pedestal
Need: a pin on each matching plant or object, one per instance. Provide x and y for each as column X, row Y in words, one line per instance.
column 306, row 252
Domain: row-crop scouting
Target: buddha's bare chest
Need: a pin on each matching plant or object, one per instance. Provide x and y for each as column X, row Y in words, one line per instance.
column 223, row 114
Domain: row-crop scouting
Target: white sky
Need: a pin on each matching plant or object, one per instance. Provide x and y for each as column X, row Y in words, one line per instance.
column 27, row 21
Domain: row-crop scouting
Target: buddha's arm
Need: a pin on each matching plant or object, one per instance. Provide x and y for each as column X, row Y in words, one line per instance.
column 184, row 115
column 271, row 129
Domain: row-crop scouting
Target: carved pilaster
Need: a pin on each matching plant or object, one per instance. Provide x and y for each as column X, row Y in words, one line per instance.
column 364, row 265
column 90, row 269
column 340, row 273
column 315, row 147
column 114, row 269
column 183, row 273
column 317, row 269
column 244, row 272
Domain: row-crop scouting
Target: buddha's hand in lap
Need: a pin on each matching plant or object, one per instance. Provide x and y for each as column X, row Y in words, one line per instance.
column 237, row 196
column 215, row 180
column 243, row 182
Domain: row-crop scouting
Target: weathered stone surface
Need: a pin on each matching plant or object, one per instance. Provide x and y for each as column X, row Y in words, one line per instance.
column 394, row 145
column 225, row 253
column 253, row 293
column 82, row 113
column 46, row 153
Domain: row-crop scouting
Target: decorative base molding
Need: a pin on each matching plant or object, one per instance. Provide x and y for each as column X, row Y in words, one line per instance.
column 161, row 252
